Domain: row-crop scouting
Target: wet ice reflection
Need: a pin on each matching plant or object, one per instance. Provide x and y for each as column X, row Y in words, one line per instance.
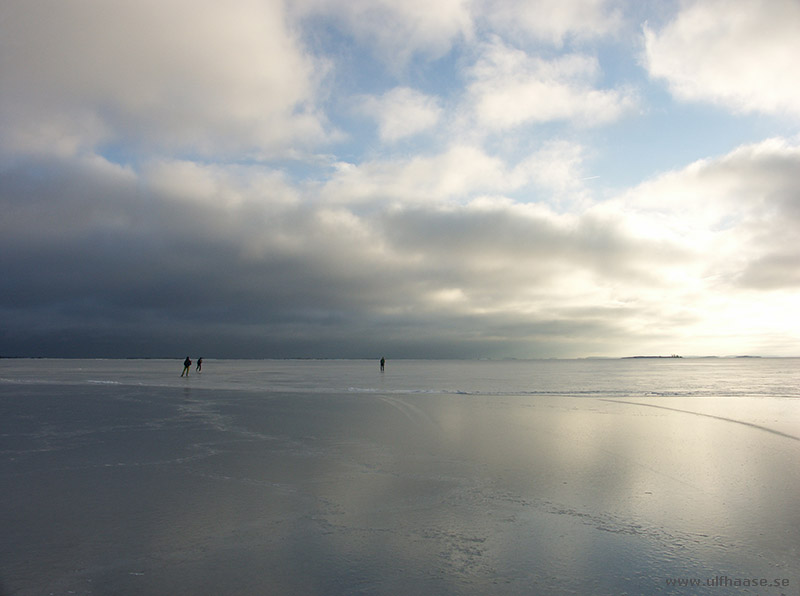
column 207, row 492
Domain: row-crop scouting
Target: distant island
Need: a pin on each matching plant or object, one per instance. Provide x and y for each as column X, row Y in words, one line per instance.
column 693, row 357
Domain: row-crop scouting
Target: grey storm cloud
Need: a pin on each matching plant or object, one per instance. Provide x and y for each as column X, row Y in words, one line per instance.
column 539, row 243
column 95, row 253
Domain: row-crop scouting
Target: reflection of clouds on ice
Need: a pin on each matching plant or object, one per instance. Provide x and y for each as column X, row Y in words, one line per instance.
column 591, row 465
column 199, row 490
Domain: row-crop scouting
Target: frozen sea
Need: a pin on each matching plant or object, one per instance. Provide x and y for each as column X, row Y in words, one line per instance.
column 638, row 476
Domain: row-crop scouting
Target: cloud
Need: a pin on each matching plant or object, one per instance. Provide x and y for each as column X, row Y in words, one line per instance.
column 458, row 172
column 241, row 260
column 194, row 77
column 186, row 247
column 510, row 88
column 738, row 213
column 503, row 250
column 735, row 54
column 159, row 186
column 557, row 167
column 403, row 112
column 553, row 20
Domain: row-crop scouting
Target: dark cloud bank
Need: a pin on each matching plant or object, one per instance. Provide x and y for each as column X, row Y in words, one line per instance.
column 99, row 261
column 96, row 264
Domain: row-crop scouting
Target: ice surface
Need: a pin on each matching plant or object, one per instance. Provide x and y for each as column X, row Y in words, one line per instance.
column 117, row 483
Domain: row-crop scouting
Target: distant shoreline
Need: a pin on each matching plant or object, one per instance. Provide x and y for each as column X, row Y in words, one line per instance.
column 675, row 356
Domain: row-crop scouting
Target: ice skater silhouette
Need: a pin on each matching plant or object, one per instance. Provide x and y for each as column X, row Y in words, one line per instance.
column 186, row 364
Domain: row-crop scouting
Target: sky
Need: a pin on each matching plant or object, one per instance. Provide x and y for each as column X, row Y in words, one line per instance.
column 358, row 178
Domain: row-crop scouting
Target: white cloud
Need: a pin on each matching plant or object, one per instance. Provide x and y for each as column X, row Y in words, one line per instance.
column 739, row 214
column 196, row 76
column 738, row 54
column 553, row 20
column 556, row 167
column 510, row 88
column 403, row 112
column 220, row 188
column 461, row 173
column 457, row 173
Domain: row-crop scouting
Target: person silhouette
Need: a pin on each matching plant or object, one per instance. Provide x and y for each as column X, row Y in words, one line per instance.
column 199, row 365
column 186, row 364
column 383, row 362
